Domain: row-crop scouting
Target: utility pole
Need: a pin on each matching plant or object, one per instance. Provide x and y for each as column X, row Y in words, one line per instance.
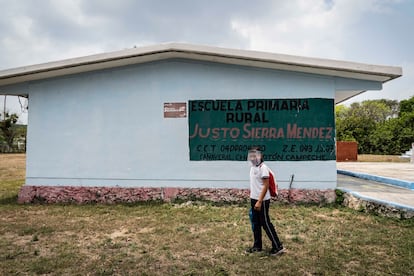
column 4, row 107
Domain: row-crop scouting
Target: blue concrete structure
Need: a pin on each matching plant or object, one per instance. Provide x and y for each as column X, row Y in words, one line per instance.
column 98, row 121
column 381, row 179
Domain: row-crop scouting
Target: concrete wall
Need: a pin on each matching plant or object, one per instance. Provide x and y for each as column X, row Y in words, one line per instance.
column 106, row 128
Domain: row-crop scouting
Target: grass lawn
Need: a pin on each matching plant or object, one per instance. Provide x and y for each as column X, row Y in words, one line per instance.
column 191, row 239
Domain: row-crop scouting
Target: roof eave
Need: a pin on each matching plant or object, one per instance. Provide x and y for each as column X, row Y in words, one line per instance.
column 202, row 53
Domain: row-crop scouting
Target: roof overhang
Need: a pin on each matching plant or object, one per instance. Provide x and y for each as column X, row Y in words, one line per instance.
column 318, row 66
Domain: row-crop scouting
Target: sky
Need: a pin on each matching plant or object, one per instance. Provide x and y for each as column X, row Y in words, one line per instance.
column 368, row 31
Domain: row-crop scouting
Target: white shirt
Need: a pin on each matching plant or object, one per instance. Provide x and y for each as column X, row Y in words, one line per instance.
column 256, row 181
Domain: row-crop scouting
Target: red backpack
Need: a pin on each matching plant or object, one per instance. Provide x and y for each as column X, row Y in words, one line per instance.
column 272, row 184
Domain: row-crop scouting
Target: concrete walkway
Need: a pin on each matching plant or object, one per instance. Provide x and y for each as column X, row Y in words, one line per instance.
column 379, row 192
column 402, row 171
column 385, row 184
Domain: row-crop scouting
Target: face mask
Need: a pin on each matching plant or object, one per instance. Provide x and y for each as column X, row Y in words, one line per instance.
column 254, row 157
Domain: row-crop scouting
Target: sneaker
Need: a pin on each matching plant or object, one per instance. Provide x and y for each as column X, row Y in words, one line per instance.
column 277, row 251
column 253, row 250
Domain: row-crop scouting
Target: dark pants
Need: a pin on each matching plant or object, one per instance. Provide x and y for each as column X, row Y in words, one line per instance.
column 261, row 219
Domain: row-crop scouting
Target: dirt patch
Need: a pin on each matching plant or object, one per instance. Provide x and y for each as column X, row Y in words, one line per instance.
column 17, row 240
column 119, row 233
column 12, row 166
column 146, row 230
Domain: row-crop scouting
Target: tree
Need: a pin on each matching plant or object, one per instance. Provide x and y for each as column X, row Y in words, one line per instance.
column 406, row 127
column 379, row 126
column 343, row 132
column 393, row 105
column 406, row 106
column 359, row 120
column 7, row 127
column 376, row 111
column 385, row 137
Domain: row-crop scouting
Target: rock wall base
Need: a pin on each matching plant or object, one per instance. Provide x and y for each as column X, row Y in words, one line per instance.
column 112, row 195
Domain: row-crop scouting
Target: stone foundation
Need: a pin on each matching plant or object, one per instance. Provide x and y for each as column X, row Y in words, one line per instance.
column 111, row 195
column 378, row 208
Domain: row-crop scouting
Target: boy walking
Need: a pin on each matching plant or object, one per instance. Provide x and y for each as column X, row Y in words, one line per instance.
column 260, row 203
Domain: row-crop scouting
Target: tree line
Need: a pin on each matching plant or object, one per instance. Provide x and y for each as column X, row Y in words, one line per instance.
column 379, row 126
column 11, row 133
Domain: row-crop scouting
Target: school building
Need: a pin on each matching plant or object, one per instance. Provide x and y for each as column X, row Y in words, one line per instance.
column 176, row 120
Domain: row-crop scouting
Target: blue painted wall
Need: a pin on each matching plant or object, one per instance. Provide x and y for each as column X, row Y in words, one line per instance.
column 106, row 128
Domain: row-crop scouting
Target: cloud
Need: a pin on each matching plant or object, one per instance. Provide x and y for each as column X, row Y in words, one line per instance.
column 35, row 32
column 39, row 31
column 311, row 28
column 371, row 31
